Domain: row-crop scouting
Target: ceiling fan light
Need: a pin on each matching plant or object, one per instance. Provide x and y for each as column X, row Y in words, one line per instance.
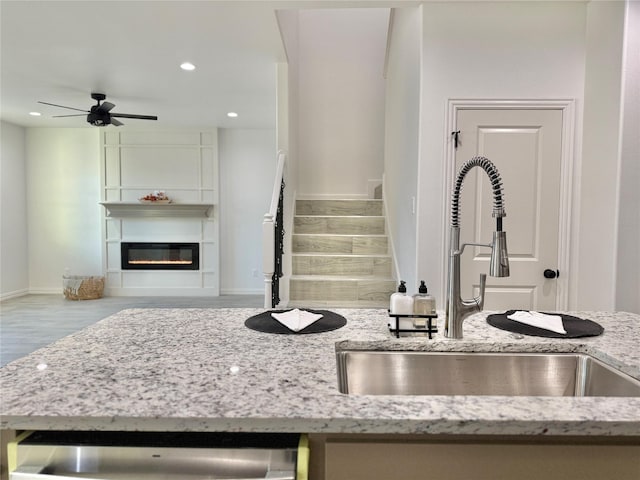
column 35, row 114
column 232, row 114
column 187, row 66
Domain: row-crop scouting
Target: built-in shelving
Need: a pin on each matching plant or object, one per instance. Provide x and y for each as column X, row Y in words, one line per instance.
column 150, row 210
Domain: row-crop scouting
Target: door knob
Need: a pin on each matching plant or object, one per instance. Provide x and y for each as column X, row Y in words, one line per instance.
column 548, row 273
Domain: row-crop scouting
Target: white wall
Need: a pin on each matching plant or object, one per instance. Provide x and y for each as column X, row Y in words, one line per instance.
column 288, row 21
column 341, row 100
column 600, row 155
column 503, row 50
column 63, row 179
column 628, row 264
column 247, row 169
column 14, row 267
column 402, row 136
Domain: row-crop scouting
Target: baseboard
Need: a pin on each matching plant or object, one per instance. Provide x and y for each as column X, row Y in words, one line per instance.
column 242, row 291
column 46, row 291
column 323, row 196
column 160, row 292
column 392, row 250
column 14, row 294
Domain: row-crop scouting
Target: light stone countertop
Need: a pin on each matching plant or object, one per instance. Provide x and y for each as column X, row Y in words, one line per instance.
column 202, row 370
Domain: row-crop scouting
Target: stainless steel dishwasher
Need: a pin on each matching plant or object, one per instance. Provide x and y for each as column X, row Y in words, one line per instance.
column 48, row 455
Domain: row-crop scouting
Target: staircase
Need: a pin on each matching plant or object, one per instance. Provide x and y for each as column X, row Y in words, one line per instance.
column 340, row 255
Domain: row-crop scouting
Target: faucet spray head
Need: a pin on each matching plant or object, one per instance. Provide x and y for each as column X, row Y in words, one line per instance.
column 499, row 266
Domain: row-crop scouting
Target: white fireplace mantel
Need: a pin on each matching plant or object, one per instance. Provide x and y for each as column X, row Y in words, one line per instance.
column 184, row 165
column 150, row 210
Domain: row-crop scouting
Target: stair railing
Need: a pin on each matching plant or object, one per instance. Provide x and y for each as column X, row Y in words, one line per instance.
column 273, row 238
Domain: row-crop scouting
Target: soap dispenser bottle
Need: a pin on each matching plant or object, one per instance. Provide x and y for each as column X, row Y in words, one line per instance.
column 400, row 304
column 423, row 304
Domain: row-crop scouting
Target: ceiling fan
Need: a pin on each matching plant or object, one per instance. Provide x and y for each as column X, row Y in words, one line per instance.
column 100, row 114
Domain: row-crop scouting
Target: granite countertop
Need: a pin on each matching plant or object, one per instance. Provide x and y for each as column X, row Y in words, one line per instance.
column 202, row 370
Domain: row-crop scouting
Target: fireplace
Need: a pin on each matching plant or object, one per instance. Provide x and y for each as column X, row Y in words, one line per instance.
column 159, row 256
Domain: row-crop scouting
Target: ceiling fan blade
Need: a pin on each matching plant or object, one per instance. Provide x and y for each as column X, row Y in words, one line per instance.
column 139, row 117
column 75, row 115
column 62, row 106
column 115, row 122
column 105, row 107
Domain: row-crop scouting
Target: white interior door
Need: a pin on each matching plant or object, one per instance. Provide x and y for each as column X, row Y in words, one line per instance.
column 526, row 147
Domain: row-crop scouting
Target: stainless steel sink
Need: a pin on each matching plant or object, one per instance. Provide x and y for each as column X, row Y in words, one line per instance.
column 513, row 374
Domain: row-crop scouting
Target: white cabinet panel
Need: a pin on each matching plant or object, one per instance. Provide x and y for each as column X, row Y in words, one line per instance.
column 209, row 254
column 161, row 230
column 160, row 167
column 159, row 138
column 112, row 229
column 210, row 280
column 112, row 166
column 113, row 256
column 160, row 279
column 112, row 194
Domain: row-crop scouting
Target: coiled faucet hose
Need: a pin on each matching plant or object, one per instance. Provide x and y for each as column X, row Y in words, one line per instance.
column 496, row 185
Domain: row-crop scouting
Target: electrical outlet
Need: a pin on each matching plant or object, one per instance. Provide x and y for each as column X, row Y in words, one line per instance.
column 254, row 272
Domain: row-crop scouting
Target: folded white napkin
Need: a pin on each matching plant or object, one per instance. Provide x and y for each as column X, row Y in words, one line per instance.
column 296, row 319
column 540, row 320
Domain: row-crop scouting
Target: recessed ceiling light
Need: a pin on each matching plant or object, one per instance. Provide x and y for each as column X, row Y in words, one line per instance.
column 35, row 114
column 232, row 114
column 188, row 66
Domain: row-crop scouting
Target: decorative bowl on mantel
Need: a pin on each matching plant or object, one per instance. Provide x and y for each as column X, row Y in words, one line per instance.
column 157, row 198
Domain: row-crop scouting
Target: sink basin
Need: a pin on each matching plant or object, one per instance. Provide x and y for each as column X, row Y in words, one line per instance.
column 454, row 373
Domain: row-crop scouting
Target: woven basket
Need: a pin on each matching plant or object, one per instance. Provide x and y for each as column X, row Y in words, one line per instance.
column 77, row 287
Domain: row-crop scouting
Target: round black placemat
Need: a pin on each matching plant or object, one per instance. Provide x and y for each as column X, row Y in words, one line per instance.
column 575, row 327
column 265, row 323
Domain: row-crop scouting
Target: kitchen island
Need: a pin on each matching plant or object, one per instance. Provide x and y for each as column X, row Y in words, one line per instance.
column 202, row 370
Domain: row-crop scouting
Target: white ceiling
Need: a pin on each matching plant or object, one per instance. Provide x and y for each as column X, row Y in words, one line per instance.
column 61, row 51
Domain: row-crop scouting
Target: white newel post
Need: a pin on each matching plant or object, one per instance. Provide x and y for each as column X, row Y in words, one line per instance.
column 268, row 260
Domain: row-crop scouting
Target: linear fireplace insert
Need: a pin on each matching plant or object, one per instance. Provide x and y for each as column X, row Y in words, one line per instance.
column 159, row 256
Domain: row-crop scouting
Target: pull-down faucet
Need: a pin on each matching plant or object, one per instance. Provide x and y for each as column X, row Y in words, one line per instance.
column 458, row 309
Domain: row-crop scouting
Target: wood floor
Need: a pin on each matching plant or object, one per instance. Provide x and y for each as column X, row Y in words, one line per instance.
column 30, row 322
